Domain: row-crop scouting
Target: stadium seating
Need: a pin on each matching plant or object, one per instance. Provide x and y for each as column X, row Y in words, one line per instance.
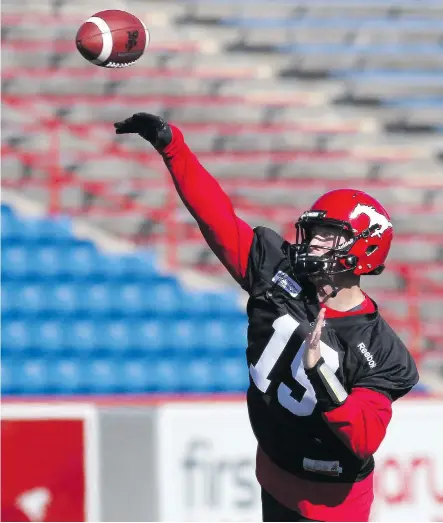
column 343, row 92
column 76, row 320
column 282, row 100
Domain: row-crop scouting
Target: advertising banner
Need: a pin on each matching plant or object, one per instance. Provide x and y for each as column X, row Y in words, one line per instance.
column 409, row 464
column 206, row 463
column 186, row 461
column 207, row 460
column 47, row 464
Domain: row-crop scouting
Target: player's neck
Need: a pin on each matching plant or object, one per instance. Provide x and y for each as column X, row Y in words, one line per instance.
column 345, row 300
column 349, row 294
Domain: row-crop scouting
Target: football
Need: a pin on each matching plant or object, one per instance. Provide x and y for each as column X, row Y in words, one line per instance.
column 112, row 38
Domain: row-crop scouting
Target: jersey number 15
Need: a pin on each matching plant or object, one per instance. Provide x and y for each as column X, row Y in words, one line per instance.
column 284, row 328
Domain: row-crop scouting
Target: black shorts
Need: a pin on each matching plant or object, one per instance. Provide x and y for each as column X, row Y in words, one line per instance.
column 272, row 510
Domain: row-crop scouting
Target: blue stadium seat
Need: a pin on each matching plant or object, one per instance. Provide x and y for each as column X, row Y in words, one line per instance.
column 163, row 298
column 33, row 376
column 232, row 375
column 15, row 261
column 81, row 260
column 57, row 230
column 129, row 268
column 196, row 304
column 112, row 267
column 140, row 265
column 166, row 375
column 129, row 298
column 9, row 226
column 137, row 375
column 224, row 304
column 66, row 376
column 102, row 376
column 9, row 378
column 197, row 375
column 32, row 299
column 47, row 336
column 238, row 339
column 34, row 230
column 150, row 336
column 184, row 336
column 16, row 337
column 28, row 230
column 219, row 304
column 9, row 298
column 64, row 298
column 145, row 298
column 215, row 334
column 45, row 261
column 81, row 336
column 114, row 336
column 98, row 298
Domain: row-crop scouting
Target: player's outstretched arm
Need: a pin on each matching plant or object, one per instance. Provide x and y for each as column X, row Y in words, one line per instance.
column 228, row 236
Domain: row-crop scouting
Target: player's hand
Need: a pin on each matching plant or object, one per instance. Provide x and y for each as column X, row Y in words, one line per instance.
column 312, row 352
column 150, row 127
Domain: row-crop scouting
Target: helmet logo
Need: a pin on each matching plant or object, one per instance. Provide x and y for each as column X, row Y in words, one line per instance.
column 375, row 218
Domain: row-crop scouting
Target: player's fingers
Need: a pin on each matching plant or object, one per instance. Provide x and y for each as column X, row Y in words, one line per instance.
column 314, row 339
column 136, row 123
column 311, row 339
column 124, row 122
column 126, row 126
column 319, row 321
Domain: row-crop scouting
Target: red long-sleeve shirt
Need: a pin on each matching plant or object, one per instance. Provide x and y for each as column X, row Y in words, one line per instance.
column 360, row 422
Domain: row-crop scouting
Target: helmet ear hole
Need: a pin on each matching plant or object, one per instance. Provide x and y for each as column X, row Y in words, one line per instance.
column 351, row 261
column 371, row 249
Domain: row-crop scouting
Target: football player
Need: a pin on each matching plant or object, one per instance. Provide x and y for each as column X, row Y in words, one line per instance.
column 324, row 366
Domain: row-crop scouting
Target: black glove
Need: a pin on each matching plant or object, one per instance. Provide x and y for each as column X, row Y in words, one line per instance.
column 150, row 127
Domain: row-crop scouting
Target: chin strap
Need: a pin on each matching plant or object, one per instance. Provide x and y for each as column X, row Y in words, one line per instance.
column 332, row 294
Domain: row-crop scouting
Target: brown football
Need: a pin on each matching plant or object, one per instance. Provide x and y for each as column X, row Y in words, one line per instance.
column 112, row 38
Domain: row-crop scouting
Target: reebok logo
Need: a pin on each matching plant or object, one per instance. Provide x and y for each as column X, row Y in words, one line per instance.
column 367, row 355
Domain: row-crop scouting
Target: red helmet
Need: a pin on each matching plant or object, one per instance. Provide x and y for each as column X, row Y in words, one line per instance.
column 365, row 221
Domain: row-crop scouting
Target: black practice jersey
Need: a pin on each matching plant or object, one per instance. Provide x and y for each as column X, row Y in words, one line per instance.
column 362, row 350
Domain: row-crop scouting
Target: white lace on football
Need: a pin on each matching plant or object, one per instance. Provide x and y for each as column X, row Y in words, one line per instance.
column 115, row 65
